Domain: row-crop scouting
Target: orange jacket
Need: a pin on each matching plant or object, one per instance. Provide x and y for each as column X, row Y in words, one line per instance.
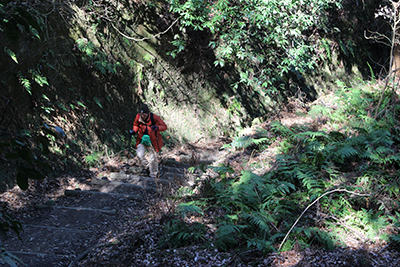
column 140, row 126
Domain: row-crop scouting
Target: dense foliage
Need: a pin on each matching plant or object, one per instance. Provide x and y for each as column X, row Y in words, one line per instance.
column 268, row 42
column 326, row 182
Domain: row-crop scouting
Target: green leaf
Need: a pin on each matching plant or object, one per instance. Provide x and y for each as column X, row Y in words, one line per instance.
column 10, row 259
column 34, row 32
column 11, row 54
column 45, row 97
column 45, row 143
column 22, row 180
column 25, row 83
column 81, row 104
column 97, row 101
column 191, row 207
column 25, row 155
column 31, row 173
column 39, row 79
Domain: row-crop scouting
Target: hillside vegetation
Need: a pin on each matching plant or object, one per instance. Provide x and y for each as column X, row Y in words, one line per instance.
column 74, row 73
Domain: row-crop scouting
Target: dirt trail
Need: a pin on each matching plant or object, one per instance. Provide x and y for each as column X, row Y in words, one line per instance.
column 108, row 217
column 62, row 226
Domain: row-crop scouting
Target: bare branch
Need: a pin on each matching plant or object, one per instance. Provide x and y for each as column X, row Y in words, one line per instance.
column 146, row 38
column 315, row 201
column 376, row 36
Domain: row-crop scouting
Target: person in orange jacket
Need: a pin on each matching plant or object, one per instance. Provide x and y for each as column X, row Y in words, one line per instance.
column 148, row 126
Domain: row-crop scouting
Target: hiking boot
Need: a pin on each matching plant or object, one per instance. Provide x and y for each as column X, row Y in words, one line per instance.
column 153, row 175
column 146, row 172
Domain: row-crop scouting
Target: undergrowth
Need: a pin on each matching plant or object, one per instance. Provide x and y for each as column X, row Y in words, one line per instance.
column 326, row 184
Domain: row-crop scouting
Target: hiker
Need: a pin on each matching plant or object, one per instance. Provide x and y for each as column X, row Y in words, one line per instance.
column 148, row 127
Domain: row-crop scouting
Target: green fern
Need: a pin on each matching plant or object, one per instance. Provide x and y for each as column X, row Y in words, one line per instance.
column 11, row 54
column 260, row 219
column 177, row 233
column 183, row 192
column 192, row 207
column 395, row 239
column 285, row 188
column 312, row 136
column 281, row 130
column 363, row 154
column 319, row 237
column 222, row 169
column 227, row 235
column 38, row 78
column 25, row 83
column 245, row 141
column 346, row 152
column 260, row 244
column 310, row 180
column 319, row 110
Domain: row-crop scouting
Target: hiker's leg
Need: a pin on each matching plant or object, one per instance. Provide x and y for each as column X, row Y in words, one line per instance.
column 153, row 161
column 140, row 151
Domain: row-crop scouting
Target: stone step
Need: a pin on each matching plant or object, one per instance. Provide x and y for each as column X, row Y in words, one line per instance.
column 135, row 179
column 171, row 175
column 32, row 259
column 55, row 228
column 51, row 240
column 107, row 211
column 119, row 181
column 97, row 193
column 71, row 217
column 172, row 169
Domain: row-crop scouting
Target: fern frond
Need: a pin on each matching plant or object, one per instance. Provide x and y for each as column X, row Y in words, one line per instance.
column 222, row 169
column 284, row 188
column 260, row 140
column 189, row 208
column 283, row 210
column 248, row 177
column 260, row 244
column 394, row 158
column 242, row 141
column 309, row 180
column 313, row 135
column 260, row 219
column 227, row 235
column 319, row 110
column 321, row 237
column 227, row 228
column 279, row 128
column 395, row 239
column 337, row 136
column 382, row 150
column 184, row 191
column 347, row 152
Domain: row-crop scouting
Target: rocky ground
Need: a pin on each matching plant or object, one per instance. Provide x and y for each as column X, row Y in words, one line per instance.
column 113, row 216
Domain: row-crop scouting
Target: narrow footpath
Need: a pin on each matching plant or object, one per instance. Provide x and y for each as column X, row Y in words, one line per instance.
column 65, row 219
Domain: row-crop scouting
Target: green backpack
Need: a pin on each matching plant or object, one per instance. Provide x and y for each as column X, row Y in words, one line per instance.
column 146, row 140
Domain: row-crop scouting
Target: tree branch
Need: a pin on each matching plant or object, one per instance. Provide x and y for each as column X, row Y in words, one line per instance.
column 146, row 38
column 301, row 215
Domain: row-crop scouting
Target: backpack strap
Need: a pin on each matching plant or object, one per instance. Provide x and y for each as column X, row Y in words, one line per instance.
column 152, row 119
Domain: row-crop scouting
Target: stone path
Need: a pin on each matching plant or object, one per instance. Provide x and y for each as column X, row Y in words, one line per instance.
column 63, row 231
